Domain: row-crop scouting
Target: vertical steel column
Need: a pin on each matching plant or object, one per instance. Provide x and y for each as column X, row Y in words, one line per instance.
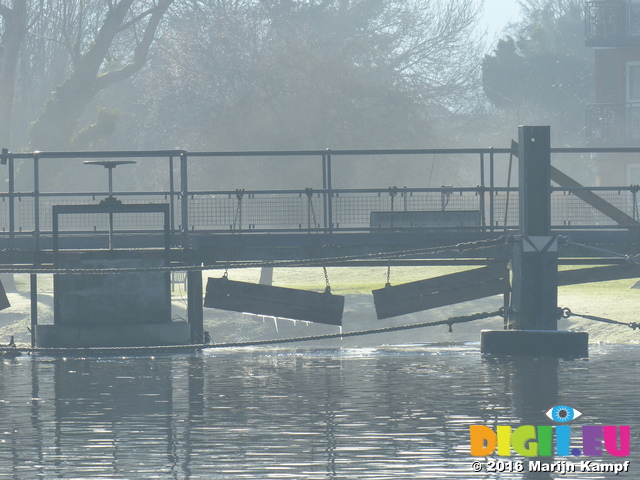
column 195, row 313
column 535, row 257
column 491, row 192
column 36, row 262
column 171, row 195
column 483, row 214
column 12, row 202
column 184, row 199
column 330, row 192
column 34, row 307
column 36, row 203
column 325, row 202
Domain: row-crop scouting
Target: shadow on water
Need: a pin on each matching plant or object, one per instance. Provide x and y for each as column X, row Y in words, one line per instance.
column 533, row 385
column 351, row 413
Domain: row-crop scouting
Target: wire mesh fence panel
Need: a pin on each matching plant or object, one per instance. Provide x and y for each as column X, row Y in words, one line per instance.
column 569, row 210
column 354, row 210
column 506, row 203
column 254, row 211
column 4, row 214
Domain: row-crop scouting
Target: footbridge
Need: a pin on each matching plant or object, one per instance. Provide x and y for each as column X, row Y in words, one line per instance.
column 296, row 205
column 145, row 214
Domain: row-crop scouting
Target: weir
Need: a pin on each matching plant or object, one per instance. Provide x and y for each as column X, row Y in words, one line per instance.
column 112, row 255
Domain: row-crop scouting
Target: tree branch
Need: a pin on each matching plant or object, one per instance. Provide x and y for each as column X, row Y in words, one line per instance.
column 141, row 51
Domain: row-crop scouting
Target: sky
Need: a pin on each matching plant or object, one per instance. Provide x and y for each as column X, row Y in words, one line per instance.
column 498, row 13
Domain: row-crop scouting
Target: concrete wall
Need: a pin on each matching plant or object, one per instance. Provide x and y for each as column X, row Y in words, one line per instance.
column 112, row 299
column 61, row 336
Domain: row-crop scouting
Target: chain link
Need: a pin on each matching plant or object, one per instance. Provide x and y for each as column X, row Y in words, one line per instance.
column 566, row 313
column 449, row 322
column 237, row 219
column 388, row 284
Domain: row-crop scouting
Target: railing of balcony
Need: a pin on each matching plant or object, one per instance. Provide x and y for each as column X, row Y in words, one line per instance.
column 613, row 122
column 611, row 21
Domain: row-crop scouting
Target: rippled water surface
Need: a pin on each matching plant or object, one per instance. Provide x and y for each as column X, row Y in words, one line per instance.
column 398, row 412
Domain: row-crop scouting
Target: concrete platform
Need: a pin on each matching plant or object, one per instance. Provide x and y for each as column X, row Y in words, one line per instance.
column 544, row 343
column 77, row 336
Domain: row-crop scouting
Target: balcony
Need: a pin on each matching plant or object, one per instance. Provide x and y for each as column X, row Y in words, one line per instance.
column 610, row 23
column 614, row 123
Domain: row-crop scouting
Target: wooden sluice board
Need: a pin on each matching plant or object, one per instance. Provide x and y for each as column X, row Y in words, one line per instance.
column 272, row 301
column 4, row 301
column 598, row 274
column 392, row 301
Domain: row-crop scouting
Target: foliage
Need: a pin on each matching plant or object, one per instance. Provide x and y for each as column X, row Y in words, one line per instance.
column 312, row 74
column 541, row 71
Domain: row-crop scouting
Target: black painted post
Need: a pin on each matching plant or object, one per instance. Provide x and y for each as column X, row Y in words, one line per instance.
column 12, row 203
column 195, row 302
column 535, row 258
column 184, row 200
column 34, row 307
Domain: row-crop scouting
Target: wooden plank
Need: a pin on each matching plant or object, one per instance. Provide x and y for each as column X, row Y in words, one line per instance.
column 437, row 292
column 274, row 301
column 598, row 274
column 591, row 198
column 4, row 301
column 464, row 279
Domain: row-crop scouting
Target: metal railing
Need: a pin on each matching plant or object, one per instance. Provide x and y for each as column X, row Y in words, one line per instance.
column 611, row 23
column 613, row 122
column 317, row 208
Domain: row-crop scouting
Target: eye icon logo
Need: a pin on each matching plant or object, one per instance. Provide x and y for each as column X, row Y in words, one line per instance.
column 563, row 413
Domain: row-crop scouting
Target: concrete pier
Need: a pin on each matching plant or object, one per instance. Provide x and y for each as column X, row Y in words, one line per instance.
column 531, row 328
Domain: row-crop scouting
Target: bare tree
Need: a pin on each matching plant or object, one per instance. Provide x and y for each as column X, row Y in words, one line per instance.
column 14, row 23
column 105, row 46
column 288, row 74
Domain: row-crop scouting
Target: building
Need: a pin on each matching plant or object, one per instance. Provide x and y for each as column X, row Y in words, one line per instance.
column 613, row 30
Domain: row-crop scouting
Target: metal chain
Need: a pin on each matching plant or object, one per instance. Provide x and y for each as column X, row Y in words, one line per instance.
column 449, row 322
column 237, row 219
column 388, row 284
column 566, row 241
column 312, row 212
column 393, row 191
column 566, row 313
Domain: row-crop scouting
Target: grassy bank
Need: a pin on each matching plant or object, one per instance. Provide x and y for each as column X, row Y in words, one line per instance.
column 613, row 299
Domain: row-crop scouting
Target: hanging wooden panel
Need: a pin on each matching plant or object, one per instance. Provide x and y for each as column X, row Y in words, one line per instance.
column 598, row 274
column 272, row 301
column 392, row 301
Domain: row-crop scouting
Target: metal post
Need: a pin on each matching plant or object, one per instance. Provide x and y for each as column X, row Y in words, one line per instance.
column 36, row 203
column 171, row 195
column 12, row 202
column 34, row 307
column 491, row 192
column 483, row 214
column 325, row 200
column 110, row 169
column 535, row 259
column 330, row 193
column 184, row 199
column 195, row 312
column 535, row 264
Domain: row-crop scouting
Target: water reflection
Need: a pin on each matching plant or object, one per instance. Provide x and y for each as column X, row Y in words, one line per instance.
column 389, row 412
column 533, row 384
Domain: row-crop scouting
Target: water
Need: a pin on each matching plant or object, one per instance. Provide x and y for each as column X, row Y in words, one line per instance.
column 309, row 413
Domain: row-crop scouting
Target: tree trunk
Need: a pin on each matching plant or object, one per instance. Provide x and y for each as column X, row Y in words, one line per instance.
column 58, row 123
column 15, row 23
